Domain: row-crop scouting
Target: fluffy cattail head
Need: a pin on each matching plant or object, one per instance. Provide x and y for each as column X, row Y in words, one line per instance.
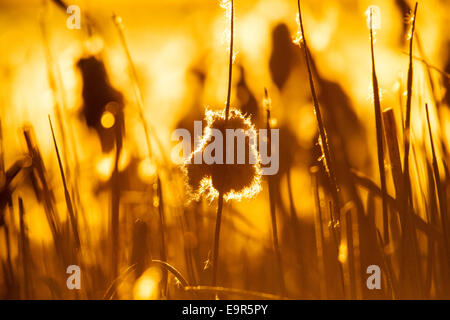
column 234, row 180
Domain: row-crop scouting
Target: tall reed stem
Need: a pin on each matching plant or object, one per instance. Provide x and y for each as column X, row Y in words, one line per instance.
column 72, row 217
column 407, row 133
column 162, row 226
column 323, row 140
column 379, row 129
column 24, row 251
column 440, row 191
column 216, row 238
column 410, row 232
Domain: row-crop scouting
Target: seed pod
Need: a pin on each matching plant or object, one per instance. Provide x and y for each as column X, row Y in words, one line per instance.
column 235, row 180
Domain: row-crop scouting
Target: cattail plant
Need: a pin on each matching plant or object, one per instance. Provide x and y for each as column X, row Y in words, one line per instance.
column 379, row 128
column 410, row 233
column 231, row 180
column 24, row 245
column 442, row 200
column 218, row 180
column 223, row 181
column 407, row 125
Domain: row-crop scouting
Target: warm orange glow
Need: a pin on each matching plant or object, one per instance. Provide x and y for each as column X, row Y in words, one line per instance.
column 112, row 194
column 343, row 253
column 147, row 170
column 147, row 286
column 206, row 184
column 107, row 120
column 104, row 167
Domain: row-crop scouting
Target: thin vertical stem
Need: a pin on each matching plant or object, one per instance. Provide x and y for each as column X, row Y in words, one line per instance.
column 407, row 133
column 410, row 232
column 162, row 226
column 440, row 191
column 322, row 131
column 390, row 131
column 24, row 249
column 230, row 65
column 216, row 239
column 379, row 129
column 72, row 217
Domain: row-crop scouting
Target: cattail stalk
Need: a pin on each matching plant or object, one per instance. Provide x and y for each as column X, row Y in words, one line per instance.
column 323, row 140
column 230, row 62
column 394, row 153
column 72, row 217
column 407, row 133
column 216, row 238
column 396, row 170
column 440, row 192
column 410, row 241
column 24, row 246
column 379, row 129
column 162, row 226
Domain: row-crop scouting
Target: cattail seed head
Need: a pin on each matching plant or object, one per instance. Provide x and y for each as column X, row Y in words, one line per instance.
column 235, row 181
